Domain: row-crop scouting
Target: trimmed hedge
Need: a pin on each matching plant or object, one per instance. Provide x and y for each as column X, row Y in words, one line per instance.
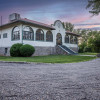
column 15, row 50
column 27, row 50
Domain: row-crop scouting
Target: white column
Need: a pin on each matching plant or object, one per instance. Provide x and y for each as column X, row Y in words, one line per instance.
column 69, row 39
column 21, row 33
column 45, row 35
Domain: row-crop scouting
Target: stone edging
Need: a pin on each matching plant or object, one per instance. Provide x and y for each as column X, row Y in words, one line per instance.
column 14, row 62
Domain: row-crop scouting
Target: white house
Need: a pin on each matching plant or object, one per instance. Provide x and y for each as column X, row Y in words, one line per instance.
column 47, row 39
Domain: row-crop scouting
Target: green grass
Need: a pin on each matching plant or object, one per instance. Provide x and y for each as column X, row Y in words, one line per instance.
column 88, row 53
column 49, row 59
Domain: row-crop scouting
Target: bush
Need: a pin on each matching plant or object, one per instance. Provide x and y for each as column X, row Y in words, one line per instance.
column 15, row 50
column 80, row 50
column 87, row 49
column 27, row 50
column 81, row 47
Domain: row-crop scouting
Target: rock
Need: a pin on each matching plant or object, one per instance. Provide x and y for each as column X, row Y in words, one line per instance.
column 98, row 55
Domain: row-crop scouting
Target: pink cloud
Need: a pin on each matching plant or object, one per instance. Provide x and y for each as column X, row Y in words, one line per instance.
column 91, row 26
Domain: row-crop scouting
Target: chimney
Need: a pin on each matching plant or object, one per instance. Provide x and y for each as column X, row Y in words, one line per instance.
column 13, row 17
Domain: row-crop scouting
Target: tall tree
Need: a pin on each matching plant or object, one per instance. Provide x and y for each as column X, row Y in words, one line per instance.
column 94, row 5
column 68, row 26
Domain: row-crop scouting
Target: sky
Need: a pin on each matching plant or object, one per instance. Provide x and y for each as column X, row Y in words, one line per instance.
column 47, row 11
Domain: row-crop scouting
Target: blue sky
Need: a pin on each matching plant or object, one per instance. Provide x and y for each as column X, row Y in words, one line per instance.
column 47, row 11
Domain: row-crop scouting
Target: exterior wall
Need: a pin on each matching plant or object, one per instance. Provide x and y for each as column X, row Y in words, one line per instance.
column 7, row 42
column 39, row 43
column 2, row 51
column 59, row 51
column 74, row 49
column 42, row 47
column 59, row 29
column 39, row 51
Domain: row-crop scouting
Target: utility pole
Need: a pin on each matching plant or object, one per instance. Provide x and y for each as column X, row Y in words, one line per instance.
column 1, row 29
column 1, row 21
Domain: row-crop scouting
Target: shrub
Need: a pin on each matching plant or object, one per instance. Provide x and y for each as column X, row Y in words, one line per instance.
column 87, row 49
column 81, row 47
column 15, row 50
column 80, row 50
column 27, row 50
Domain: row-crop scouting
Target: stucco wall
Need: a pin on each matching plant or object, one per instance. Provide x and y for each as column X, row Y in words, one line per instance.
column 41, row 46
column 7, row 42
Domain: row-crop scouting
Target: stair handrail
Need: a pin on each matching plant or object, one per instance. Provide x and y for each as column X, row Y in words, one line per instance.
column 70, row 49
column 64, row 49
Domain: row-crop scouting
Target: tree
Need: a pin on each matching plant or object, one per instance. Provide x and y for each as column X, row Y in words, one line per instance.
column 68, row 26
column 97, row 44
column 94, row 5
column 94, row 41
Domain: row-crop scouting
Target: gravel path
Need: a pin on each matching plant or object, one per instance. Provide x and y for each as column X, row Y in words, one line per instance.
column 72, row 81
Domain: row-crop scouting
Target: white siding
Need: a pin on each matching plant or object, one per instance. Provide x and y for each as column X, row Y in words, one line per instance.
column 7, row 42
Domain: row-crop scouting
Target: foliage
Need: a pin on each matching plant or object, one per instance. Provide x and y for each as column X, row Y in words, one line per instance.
column 81, row 47
column 15, row 50
column 94, row 41
column 94, row 5
column 63, row 24
column 87, row 49
column 68, row 26
column 90, row 38
column 97, row 44
column 27, row 50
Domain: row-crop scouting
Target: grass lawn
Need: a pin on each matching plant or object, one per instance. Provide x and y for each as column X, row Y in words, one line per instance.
column 88, row 53
column 49, row 59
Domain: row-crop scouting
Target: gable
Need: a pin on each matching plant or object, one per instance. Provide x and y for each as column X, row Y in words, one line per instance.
column 58, row 23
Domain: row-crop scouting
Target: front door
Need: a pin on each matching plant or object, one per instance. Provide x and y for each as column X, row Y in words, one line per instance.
column 59, row 39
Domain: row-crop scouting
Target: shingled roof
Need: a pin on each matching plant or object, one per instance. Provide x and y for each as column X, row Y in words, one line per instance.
column 25, row 20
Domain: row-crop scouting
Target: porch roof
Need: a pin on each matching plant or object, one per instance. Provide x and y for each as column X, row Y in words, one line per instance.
column 71, row 33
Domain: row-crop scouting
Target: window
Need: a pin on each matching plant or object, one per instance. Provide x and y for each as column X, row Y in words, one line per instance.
column 5, row 35
column 0, row 36
column 28, row 33
column 16, row 33
column 66, row 38
column 71, row 39
column 49, row 36
column 40, row 35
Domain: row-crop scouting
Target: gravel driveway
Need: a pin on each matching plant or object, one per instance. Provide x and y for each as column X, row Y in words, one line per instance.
column 73, row 81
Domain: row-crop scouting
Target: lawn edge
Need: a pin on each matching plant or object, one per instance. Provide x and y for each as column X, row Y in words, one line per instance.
column 25, row 62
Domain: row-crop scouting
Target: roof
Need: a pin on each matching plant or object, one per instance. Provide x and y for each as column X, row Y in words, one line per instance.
column 68, row 32
column 25, row 20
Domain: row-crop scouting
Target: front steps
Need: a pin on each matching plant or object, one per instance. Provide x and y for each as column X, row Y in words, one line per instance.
column 61, row 49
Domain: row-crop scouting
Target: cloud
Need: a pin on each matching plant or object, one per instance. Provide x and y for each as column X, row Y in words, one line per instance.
column 47, row 11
